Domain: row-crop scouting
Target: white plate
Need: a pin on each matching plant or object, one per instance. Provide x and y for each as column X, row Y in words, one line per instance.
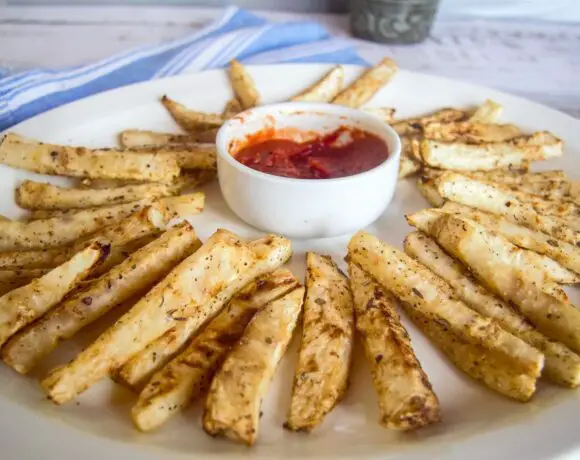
column 477, row 423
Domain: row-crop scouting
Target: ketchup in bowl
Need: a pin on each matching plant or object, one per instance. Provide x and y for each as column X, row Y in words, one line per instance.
column 344, row 152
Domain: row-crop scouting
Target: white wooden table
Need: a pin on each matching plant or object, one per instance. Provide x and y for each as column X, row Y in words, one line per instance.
column 540, row 61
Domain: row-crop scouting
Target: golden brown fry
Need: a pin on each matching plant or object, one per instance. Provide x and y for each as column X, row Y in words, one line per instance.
column 20, row 152
column 232, row 407
column 187, row 292
column 413, row 126
column 496, row 199
column 191, row 120
column 321, row 376
column 514, row 365
column 428, row 188
column 568, row 255
column 146, row 222
column 488, row 112
column 139, row 138
column 22, row 274
column 47, row 233
column 232, row 108
column 128, row 279
column 406, row 398
column 243, row 85
column 562, row 207
column 470, row 157
column 518, row 178
column 189, row 374
column 485, row 366
column 39, row 195
column 543, row 268
column 561, row 364
column 186, row 178
column 21, row 306
column 12, row 279
column 325, row 89
column 408, row 166
column 367, row 85
column 548, row 185
column 271, row 252
column 470, row 132
column 491, row 258
column 187, row 156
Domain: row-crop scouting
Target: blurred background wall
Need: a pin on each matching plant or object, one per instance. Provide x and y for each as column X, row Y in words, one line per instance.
column 541, row 10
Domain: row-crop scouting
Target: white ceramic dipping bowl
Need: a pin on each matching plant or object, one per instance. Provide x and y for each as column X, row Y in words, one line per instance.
column 305, row 208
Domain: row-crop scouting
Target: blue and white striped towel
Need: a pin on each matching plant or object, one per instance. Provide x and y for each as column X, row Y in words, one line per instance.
column 237, row 34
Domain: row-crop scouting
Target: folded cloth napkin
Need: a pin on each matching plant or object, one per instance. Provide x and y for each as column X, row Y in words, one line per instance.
column 237, row 34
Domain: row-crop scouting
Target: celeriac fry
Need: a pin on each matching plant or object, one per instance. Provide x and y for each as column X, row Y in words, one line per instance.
column 545, row 269
column 488, row 112
column 551, row 146
column 190, row 120
column 12, row 279
column 406, row 398
column 568, row 255
column 119, row 254
column 518, row 178
column 469, row 157
column 491, row 259
column 182, row 206
column 232, row 407
column 549, row 185
column 555, row 190
column 495, row 199
column 232, row 108
column 189, row 374
column 131, row 277
column 22, row 274
column 517, row 152
column 408, row 166
column 367, row 85
column 321, row 376
column 39, row 195
column 413, row 126
column 483, row 365
column 46, row 233
column 325, row 89
column 430, row 296
column 185, row 179
column 470, row 132
column 193, row 178
column 138, row 138
column 409, row 163
column 187, row 156
column 270, row 251
column 561, row 364
column 168, row 207
column 186, row 292
column 20, row 152
column 428, row 188
column 387, row 114
column 21, row 306
column 563, row 208
column 243, row 85
column 138, row 225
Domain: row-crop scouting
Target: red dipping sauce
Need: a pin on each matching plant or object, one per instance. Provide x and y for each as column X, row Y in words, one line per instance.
column 344, row 152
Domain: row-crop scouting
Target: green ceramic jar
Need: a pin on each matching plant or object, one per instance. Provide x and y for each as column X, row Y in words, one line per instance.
column 392, row 21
